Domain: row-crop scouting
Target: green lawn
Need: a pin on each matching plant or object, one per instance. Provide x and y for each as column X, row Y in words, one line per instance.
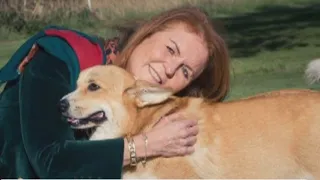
column 7, row 49
column 269, row 46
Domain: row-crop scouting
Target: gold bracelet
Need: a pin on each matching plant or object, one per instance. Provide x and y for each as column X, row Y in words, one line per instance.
column 145, row 138
column 132, row 151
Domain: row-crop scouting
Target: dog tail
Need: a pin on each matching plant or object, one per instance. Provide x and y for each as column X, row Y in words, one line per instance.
column 312, row 72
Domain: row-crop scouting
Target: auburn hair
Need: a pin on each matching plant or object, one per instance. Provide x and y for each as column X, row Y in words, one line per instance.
column 214, row 81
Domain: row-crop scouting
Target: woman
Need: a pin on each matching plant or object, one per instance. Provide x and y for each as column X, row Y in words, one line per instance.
column 177, row 49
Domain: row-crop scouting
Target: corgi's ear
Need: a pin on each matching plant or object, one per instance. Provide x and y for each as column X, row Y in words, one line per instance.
column 145, row 94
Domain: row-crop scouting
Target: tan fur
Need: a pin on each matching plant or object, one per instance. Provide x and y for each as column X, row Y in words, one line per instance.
column 271, row 135
column 280, row 92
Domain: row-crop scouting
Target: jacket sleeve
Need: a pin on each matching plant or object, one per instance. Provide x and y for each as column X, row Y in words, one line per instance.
column 48, row 140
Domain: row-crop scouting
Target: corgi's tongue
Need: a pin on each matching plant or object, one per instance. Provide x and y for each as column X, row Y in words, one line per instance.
column 98, row 115
column 73, row 120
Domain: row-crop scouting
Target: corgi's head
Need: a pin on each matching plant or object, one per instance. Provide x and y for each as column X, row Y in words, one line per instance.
column 109, row 95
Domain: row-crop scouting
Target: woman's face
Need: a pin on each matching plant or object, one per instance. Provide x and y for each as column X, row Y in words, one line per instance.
column 171, row 58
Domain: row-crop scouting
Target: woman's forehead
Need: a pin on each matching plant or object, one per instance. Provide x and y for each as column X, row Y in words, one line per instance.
column 192, row 46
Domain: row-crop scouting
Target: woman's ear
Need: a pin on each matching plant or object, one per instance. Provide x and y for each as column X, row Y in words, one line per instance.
column 145, row 94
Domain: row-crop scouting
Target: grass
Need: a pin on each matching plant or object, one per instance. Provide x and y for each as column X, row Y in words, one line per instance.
column 270, row 41
column 271, row 47
column 7, row 49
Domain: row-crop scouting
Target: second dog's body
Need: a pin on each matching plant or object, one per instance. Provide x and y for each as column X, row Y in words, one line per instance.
column 267, row 136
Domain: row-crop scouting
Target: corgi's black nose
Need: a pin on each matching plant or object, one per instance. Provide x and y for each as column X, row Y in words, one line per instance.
column 64, row 105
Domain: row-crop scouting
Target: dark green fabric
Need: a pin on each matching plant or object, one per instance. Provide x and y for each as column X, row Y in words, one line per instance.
column 13, row 159
column 56, row 46
column 36, row 142
column 62, row 51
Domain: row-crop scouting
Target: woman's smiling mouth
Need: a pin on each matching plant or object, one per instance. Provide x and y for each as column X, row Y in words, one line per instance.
column 155, row 75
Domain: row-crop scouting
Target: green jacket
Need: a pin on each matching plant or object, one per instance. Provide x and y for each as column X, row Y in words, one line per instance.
column 35, row 141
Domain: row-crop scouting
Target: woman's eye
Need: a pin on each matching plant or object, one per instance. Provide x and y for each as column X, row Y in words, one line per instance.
column 171, row 51
column 185, row 72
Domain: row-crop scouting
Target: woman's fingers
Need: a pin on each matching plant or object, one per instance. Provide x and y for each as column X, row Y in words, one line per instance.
column 189, row 141
column 173, row 118
column 178, row 135
column 189, row 129
column 168, row 119
column 185, row 150
column 190, row 150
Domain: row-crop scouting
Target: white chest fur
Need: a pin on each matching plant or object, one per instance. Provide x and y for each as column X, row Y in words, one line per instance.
column 107, row 130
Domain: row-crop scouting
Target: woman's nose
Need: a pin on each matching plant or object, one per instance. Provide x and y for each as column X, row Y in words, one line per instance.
column 172, row 66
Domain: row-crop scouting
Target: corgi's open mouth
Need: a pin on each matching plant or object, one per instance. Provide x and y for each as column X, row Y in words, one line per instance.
column 95, row 118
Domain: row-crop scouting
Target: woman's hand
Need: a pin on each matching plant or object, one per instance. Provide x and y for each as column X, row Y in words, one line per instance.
column 173, row 135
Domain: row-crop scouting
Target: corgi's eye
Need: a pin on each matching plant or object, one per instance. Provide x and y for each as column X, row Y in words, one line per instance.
column 93, row 87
